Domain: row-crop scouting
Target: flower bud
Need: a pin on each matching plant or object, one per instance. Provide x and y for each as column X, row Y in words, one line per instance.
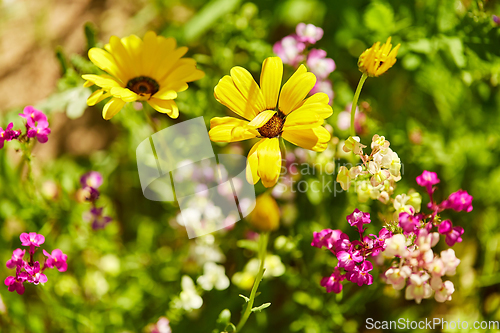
column 266, row 215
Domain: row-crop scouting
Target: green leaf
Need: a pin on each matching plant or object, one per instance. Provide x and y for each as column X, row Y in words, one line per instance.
column 262, row 307
column 90, row 35
column 248, row 244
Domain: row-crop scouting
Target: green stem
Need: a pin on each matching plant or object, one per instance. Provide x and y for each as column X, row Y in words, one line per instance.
column 264, row 237
column 355, row 102
column 150, row 120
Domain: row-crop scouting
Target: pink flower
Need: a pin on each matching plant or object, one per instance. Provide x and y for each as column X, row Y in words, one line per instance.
column 360, row 274
column 98, row 220
column 333, row 282
column 319, row 64
column 408, row 222
column 324, row 86
column 358, row 219
column 15, row 284
column 17, row 259
column 57, row 259
column 36, row 276
column 453, row 234
column 419, row 288
column 459, row 201
column 397, row 276
column 348, row 259
column 326, row 238
column 91, row 179
column 308, row 33
column 8, row 134
column 444, row 292
column 37, row 124
column 344, row 119
column 289, row 49
column 32, row 240
column 450, row 261
column 496, row 19
column 427, row 179
column 162, row 326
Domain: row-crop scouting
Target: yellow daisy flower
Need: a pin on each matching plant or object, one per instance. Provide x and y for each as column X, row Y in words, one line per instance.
column 378, row 59
column 152, row 70
column 268, row 117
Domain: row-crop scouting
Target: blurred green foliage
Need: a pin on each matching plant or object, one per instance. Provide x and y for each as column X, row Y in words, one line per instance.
column 439, row 106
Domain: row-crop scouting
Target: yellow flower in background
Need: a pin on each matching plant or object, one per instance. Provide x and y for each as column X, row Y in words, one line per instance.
column 270, row 114
column 378, row 59
column 266, row 214
column 151, row 70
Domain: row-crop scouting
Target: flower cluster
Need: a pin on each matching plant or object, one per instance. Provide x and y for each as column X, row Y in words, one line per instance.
column 31, row 271
column 293, row 50
column 37, row 126
column 376, row 177
column 90, row 183
column 353, row 263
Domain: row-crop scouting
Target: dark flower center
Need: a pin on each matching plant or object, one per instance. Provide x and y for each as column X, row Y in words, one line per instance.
column 274, row 126
column 143, row 85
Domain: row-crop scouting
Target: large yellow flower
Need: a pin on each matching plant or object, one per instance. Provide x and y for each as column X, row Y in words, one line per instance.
column 152, row 70
column 378, row 59
column 297, row 120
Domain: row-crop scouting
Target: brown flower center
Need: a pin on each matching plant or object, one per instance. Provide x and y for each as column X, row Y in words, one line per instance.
column 274, row 126
column 143, row 85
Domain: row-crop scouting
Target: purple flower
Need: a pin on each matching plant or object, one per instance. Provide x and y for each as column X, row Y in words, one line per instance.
column 319, row 64
column 408, row 222
column 360, row 274
column 427, row 179
column 98, row 221
column 32, row 239
column 327, row 238
column 56, row 259
column 308, row 33
column 289, row 49
column 459, row 201
column 91, row 179
column 37, row 124
column 453, row 234
column 343, row 243
column 496, row 19
column 348, row 259
column 7, row 135
column 17, row 259
column 14, row 284
column 324, row 86
column 35, row 275
column 35, row 115
column 333, row 282
column 358, row 218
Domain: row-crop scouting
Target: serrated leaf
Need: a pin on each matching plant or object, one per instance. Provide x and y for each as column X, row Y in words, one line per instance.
column 262, row 307
column 245, row 298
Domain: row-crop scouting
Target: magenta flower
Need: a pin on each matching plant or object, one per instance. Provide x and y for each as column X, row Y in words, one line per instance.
column 343, row 244
column 91, row 179
column 408, row 222
column 319, row 64
column 496, row 19
column 459, row 201
column 289, row 50
column 453, row 234
column 324, row 86
column 427, row 179
column 358, row 218
column 333, row 282
column 308, row 33
column 98, row 220
column 15, row 284
column 348, row 259
column 326, row 238
column 360, row 274
column 36, row 276
column 8, row 134
column 37, row 124
column 32, row 240
column 56, row 259
column 17, row 259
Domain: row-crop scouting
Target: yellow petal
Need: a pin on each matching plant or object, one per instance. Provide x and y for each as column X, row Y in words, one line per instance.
column 196, row 75
column 270, row 81
column 97, row 96
column 156, row 50
column 262, row 118
column 134, row 47
column 165, row 106
column 248, row 87
column 229, row 129
column 314, row 139
column 165, row 93
column 103, row 81
column 227, row 94
column 106, row 62
column 124, row 94
column 88, row 84
column 112, row 108
column 320, row 101
column 303, row 118
column 122, row 58
column 296, row 89
column 269, row 155
column 252, row 169
column 169, row 63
